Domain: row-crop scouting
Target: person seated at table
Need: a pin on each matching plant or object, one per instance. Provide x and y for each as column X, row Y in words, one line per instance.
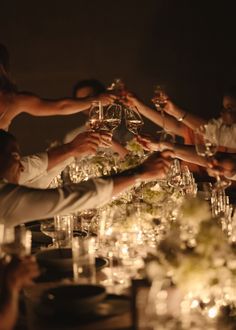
column 85, row 89
column 19, row 204
column 39, row 170
column 14, row 276
column 13, row 102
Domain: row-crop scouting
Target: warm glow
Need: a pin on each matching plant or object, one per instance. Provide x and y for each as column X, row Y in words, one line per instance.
column 212, row 312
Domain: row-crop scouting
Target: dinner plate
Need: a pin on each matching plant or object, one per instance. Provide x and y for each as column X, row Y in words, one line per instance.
column 112, row 305
column 61, row 259
column 73, row 299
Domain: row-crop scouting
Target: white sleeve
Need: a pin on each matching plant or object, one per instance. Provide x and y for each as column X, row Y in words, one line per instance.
column 20, row 204
column 43, row 180
column 225, row 135
column 34, row 166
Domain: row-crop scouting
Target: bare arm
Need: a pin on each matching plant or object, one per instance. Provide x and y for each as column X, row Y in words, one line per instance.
column 181, row 151
column 83, row 144
column 155, row 167
column 187, row 118
column 171, row 124
column 36, row 106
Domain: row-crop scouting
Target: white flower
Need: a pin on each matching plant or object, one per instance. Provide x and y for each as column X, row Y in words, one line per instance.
column 193, row 211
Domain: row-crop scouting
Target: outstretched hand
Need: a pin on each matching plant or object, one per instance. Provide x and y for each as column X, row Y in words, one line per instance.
column 224, row 164
column 156, row 166
column 87, row 143
column 106, row 98
column 150, row 144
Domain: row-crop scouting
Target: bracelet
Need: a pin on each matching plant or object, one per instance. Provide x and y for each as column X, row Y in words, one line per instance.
column 182, row 117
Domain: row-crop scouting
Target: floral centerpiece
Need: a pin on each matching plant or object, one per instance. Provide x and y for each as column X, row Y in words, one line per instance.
column 203, row 273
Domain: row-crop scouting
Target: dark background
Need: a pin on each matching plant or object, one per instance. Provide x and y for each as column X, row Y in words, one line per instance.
column 188, row 45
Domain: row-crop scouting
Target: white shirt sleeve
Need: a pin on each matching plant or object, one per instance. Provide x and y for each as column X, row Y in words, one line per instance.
column 34, row 166
column 224, row 135
column 43, row 180
column 20, row 204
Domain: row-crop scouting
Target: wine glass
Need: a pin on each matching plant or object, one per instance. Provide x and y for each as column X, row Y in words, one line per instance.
column 118, row 88
column 48, row 228
column 207, row 147
column 15, row 241
column 96, row 116
column 160, row 99
column 112, row 117
column 133, row 120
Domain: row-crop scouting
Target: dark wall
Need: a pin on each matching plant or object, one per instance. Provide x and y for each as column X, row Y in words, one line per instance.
column 189, row 45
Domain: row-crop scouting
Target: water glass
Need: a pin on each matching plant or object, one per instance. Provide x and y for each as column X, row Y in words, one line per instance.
column 15, row 241
column 83, row 252
column 64, row 230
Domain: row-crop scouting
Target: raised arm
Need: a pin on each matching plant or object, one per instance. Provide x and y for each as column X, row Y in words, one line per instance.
column 17, row 103
column 171, row 124
column 20, row 204
column 180, row 151
column 82, row 145
column 187, row 118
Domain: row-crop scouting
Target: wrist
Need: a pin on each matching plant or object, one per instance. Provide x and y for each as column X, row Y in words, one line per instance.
column 70, row 150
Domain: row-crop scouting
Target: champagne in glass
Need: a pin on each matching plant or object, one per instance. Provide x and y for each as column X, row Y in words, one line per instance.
column 112, row 117
column 96, row 116
column 133, row 120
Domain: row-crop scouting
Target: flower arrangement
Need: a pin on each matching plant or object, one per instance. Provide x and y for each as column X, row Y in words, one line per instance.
column 204, row 273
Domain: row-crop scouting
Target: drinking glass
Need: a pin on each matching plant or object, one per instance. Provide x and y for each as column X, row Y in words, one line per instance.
column 84, row 220
column 133, row 120
column 96, row 116
column 83, row 252
column 112, row 117
column 160, row 99
column 47, row 227
column 118, row 88
column 15, row 241
column 64, row 230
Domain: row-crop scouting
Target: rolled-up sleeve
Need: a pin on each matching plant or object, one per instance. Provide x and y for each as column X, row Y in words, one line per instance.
column 20, row 204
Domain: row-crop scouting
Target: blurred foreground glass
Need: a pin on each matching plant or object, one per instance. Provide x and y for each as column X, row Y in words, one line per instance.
column 64, row 230
column 48, row 228
column 15, row 241
column 83, row 252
